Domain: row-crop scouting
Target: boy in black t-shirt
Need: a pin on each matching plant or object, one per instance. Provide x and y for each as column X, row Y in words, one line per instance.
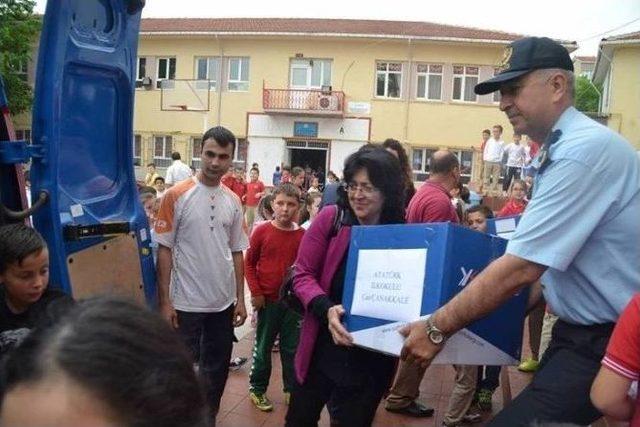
column 25, row 300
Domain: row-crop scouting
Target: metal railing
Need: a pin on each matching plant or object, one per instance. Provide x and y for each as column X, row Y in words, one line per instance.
column 303, row 100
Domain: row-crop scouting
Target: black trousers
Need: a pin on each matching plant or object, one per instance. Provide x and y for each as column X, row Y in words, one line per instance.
column 209, row 337
column 560, row 389
column 488, row 377
column 512, row 172
column 358, row 401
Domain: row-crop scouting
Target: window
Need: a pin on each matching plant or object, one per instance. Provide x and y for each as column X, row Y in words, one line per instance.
column 207, row 69
column 21, row 69
column 464, row 80
column 388, row 79
column 166, row 71
column 240, row 153
column 465, row 157
column 496, row 94
column 429, row 82
column 141, row 70
column 162, row 146
column 137, row 149
column 23, row 135
column 238, row 74
column 196, row 151
column 310, row 73
column 420, row 159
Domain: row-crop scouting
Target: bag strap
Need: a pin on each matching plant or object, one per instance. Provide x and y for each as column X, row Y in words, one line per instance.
column 337, row 221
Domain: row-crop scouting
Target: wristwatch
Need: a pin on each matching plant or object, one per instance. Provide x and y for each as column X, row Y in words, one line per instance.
column 436, row 336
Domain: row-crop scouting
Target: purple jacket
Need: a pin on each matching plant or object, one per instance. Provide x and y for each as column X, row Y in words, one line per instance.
column 319, row 257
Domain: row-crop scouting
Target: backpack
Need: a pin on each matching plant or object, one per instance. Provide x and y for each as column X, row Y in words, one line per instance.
column 287, row 296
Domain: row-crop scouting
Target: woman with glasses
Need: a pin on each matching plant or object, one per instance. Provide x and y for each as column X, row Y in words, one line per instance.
column 328, row 366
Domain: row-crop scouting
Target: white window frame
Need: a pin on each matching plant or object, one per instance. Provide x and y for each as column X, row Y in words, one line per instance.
column 195, row 156
column 496, row 96
column 213, row 77
column 458, row 153
column 23, row 135
column 22, row 70
column 139, row 78
column 463, row 81
column 307, row 66
column 165, row 159
column 238, row 81
column 386, row 74
column 424, row 158
column 427, row 76
column 166, row 71
column 137, row 137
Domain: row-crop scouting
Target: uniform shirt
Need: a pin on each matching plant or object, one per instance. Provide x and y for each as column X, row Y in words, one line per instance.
column 431, row 203
column 493, row 151
column 582, row 222
column 516, row 155
column 202, row 225
column 235, row 185
column 623, row 351
column 271, row 253
column 254, row 188
column 177, row 172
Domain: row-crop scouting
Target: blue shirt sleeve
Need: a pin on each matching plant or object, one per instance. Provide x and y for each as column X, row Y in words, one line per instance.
column 568, row 204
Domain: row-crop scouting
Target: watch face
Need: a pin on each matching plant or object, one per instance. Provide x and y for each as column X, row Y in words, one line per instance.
column 436, row 337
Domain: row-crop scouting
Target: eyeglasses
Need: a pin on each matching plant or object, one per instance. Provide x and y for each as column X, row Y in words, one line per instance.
column 366, row 189
column 212, row 155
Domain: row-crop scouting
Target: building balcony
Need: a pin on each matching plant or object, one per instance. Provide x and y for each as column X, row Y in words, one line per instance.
column 310, row 102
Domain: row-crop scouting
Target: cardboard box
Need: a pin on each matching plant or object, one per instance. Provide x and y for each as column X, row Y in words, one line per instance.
column 401, row 273
column 503, row 227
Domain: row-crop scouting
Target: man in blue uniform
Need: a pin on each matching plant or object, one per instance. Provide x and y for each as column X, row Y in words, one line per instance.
column 579, row 235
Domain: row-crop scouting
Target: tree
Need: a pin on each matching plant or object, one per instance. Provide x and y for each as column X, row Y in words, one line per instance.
column 19, row 28
column 587, row 95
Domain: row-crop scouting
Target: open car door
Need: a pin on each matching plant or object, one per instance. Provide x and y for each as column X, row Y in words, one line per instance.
column 82, row 125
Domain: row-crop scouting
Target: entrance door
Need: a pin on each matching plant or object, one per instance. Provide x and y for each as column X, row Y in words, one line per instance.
column 314, row 159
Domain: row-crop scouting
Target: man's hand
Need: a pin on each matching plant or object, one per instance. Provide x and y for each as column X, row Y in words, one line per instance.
column 339, row 334
column 258, row 302
column 239, row 314
column 169, row 313
column 418, row 348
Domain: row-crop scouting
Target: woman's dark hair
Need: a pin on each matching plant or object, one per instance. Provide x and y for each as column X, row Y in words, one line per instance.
column 126, row 355
column 17, row 241
column 384, row 173
column 395, row 145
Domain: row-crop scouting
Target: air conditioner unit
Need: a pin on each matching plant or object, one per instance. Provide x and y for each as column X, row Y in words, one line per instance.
column 326, row 89
column 324, row 102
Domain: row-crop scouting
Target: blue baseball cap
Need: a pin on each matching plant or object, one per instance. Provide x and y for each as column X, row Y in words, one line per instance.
column 523, row 56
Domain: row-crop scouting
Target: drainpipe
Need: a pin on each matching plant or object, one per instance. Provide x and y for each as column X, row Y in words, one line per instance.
column 220, row 67
column 405, row 137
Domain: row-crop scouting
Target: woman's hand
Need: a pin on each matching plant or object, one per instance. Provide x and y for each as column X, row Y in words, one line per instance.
column 339, row 334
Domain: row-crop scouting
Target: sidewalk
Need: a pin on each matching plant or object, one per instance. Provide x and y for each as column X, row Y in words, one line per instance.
column 237, row 410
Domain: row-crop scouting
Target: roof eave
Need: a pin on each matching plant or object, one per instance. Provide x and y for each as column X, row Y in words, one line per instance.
column 602, row 64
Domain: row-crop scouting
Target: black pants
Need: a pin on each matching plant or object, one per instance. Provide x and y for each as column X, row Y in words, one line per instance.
column 512, row 172
column 560, row 389
column 358, row 402
column 209, row 337
column 488, row 377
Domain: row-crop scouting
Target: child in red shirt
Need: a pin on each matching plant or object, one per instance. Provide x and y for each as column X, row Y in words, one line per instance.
column 255, row 190
column 517, row 202
column 620, row 367
column 273, row 249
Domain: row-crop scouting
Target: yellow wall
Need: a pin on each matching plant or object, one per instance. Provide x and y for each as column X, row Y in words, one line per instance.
column 435, row 124
column 625, row 94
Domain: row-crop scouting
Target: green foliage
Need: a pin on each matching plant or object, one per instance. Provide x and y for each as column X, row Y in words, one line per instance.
column 587, row 96
column 19, row 28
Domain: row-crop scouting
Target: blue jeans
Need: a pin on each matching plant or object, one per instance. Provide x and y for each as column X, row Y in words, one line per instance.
column 209, row 337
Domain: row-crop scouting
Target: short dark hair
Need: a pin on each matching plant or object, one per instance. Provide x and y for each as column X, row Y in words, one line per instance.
column 124, row 354
column 254, row 169
column 277, row 168
column 221, row 135
column 487, row 132
column 147, row 190
column 151, row 164
column 296, row 171
column 384, row 173
column 17, row 241
column 286, row 168
column 287, row 189
column 444, row 163
column 483, row 209
column 158, row 178
column 499, row 127
column 175, row 156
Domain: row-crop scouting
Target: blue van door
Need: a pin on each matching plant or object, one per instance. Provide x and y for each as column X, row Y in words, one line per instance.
column 82, row 120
